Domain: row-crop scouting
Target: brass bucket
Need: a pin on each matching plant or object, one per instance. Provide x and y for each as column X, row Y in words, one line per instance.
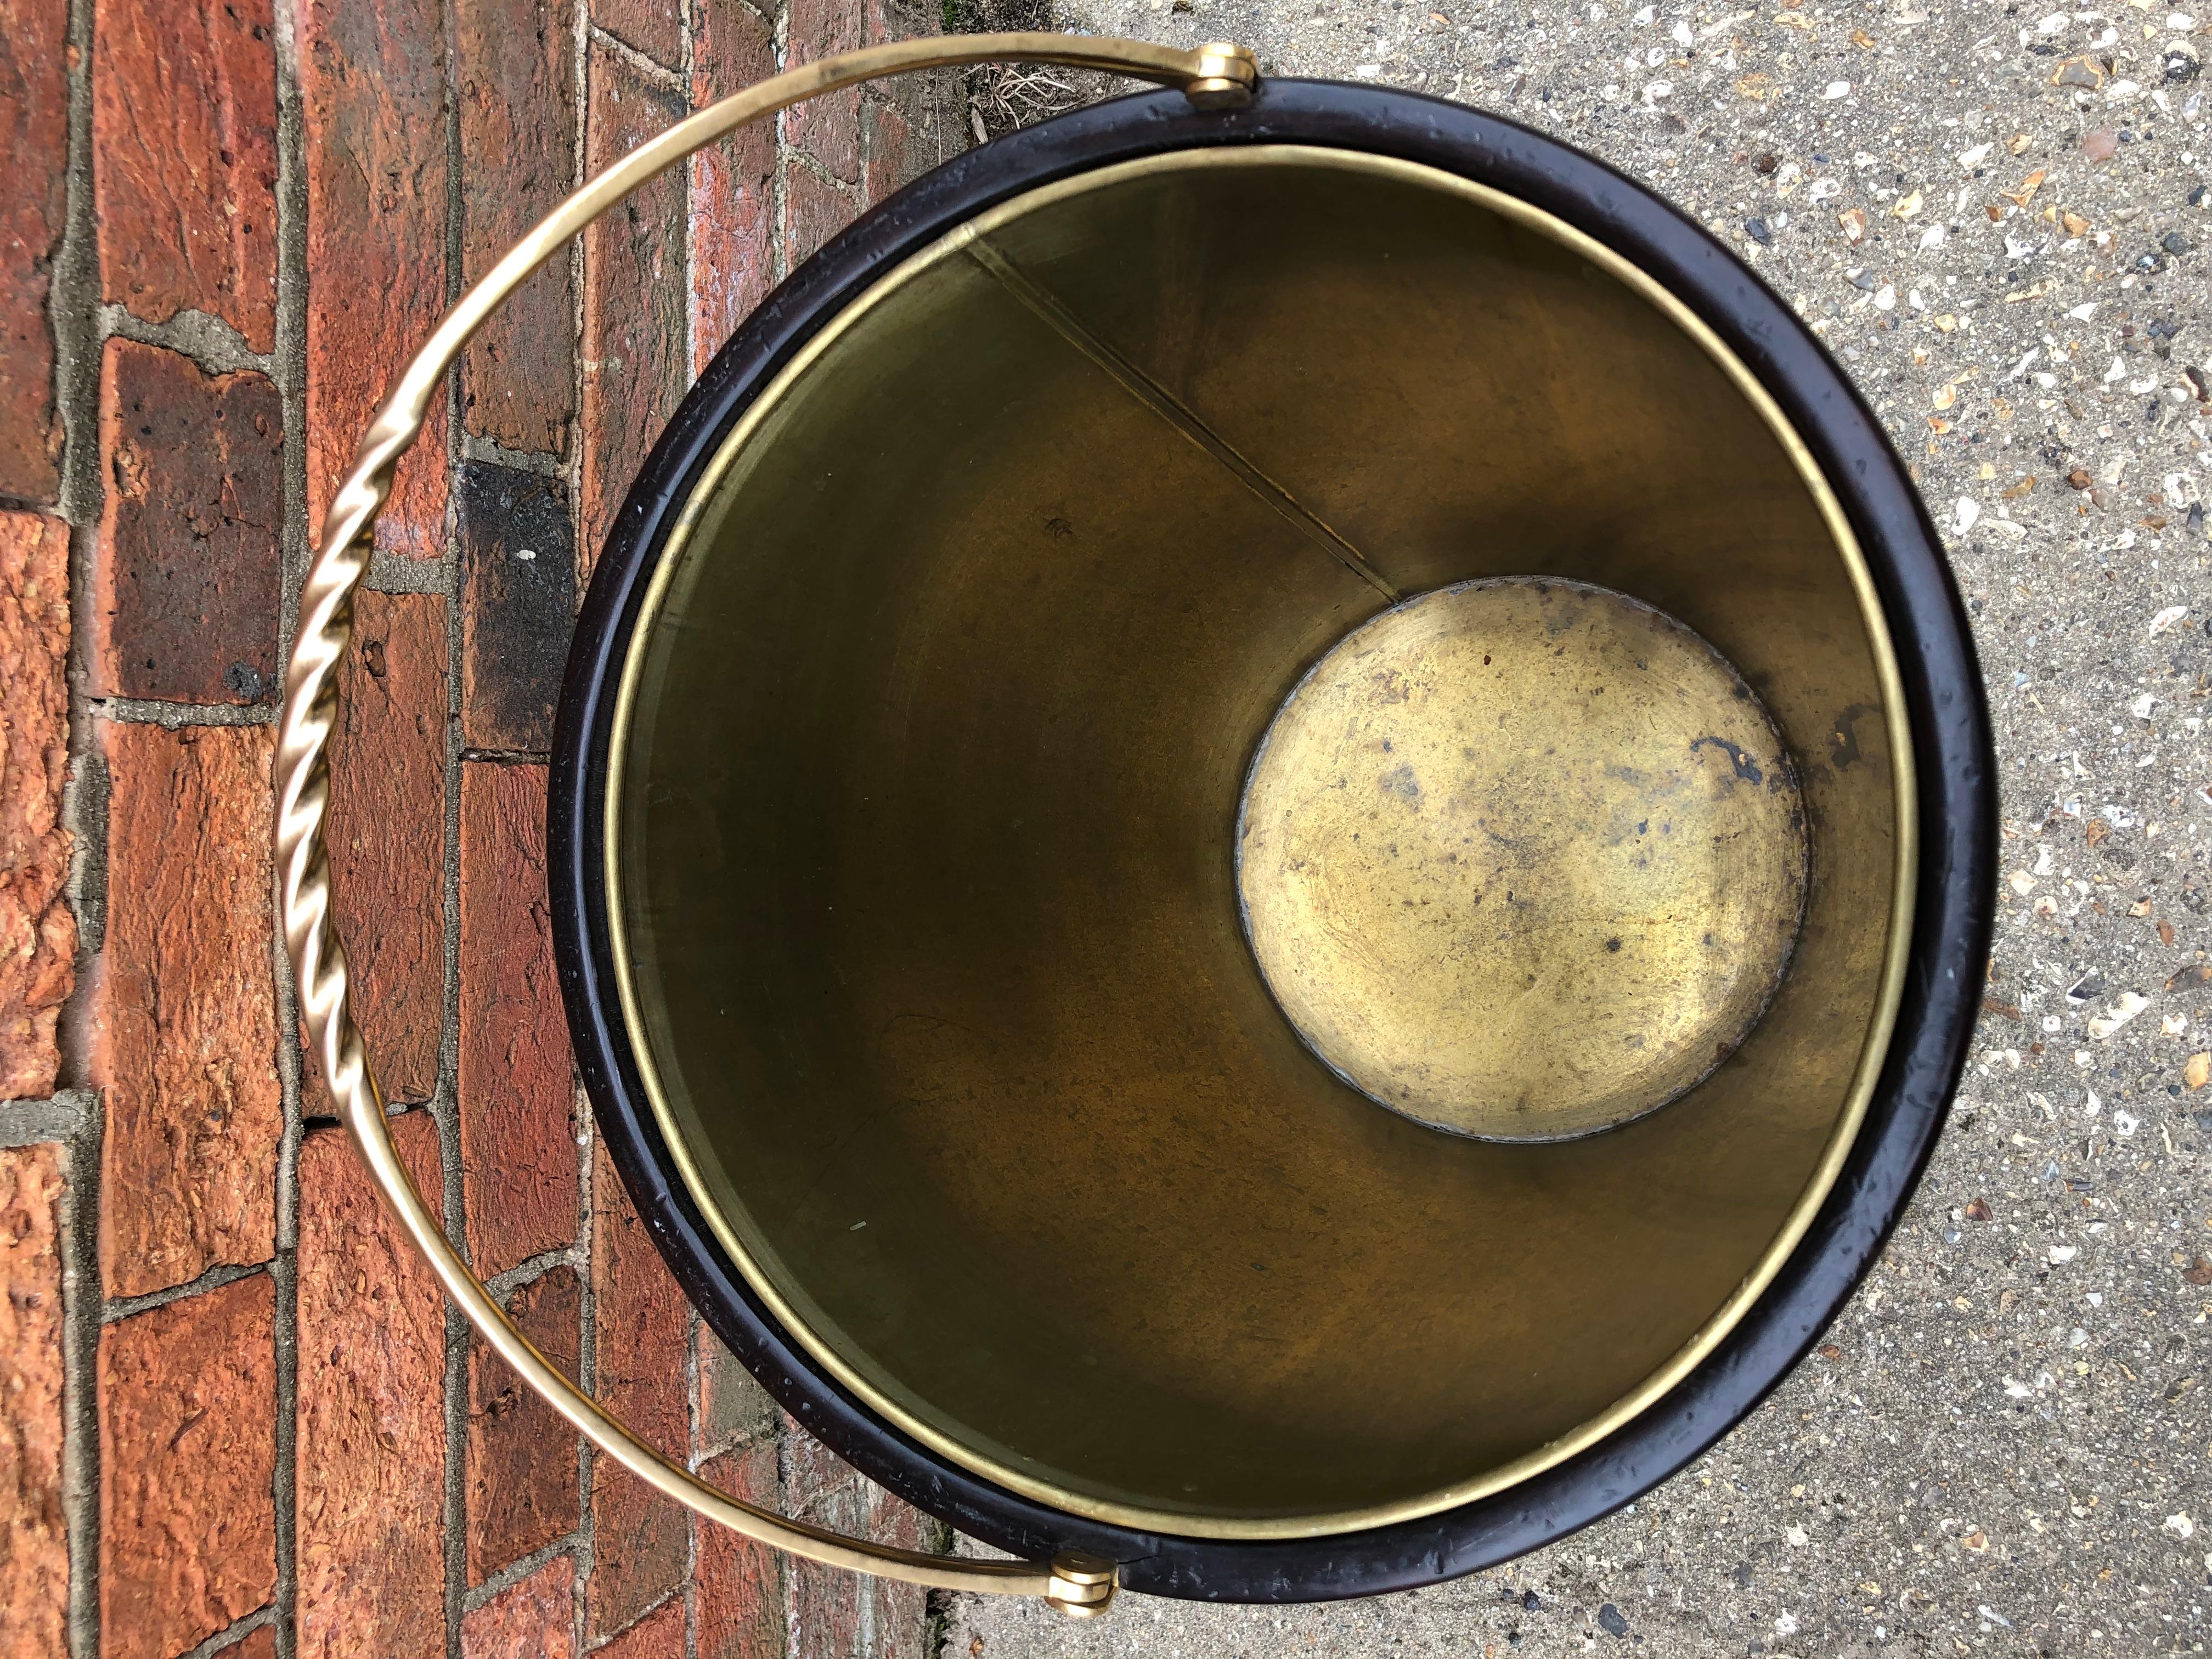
column 1272, row 838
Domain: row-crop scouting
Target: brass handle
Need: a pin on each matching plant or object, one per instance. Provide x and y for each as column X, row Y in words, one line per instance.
column 1213, row 77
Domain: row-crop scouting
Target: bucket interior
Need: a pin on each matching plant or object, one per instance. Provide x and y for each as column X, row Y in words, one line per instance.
column 922, row 815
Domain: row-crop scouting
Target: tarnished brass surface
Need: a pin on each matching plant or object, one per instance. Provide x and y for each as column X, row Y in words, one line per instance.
column 921, row 839
column 1522, row 859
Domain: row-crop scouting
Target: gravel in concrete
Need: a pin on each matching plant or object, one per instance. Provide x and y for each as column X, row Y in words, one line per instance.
column 1996, row 218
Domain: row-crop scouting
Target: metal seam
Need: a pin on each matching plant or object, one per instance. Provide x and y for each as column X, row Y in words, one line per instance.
column 1171, row 408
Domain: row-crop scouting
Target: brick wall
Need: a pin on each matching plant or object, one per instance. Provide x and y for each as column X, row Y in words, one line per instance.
column 235, row 1415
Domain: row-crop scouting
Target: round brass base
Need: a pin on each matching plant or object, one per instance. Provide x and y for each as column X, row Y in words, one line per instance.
column 1522, row 859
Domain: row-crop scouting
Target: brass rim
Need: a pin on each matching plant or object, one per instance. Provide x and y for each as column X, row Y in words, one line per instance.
column 1707, row 1336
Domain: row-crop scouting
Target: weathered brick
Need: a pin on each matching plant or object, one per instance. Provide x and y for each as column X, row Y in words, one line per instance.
column 826, row 1617
column 532, row 1619
column 882, row 20
column 906, row 122
column 635, row 296
column 518, row 604
column 827, row 128
column 739, row 1593
column 835, row 1615
column 517, row 1099
column 260, row 1642
column 819, row 1479
column 188, row 1461
column 733, row 181
column 515, row 71
column 521, row 1458
column 373, row 117
column 34, row 154
column 899, row 1620
column 814, row 210
column 183, row 1023
column 654, row 27
column 188, row 562
column 658, row 1636
column 37, row 933
column 732, row 1407
column 891, row 161
column 371, row 1413
column 388, row 834
column 642, row 1550
column 186, row 203
column 641, row 1324
column 33, row 1534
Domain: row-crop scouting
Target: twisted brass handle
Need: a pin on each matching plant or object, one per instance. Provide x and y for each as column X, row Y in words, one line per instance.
column 1212, row 76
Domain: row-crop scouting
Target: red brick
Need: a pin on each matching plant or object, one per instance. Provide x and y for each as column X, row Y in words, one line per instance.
column 517, row 1099
column 635, row 296
column 186, row 203
column 904, row 121
column 34, row 1536
column 187, row 1463
column 658, row 1636
column 533, row 1620
column 826, row 1615
column 732, row 182
column 732, row 1407
column 882, row 20
column 260, row 1643
column 814, row 210
column 518, row 604
column 373, row 109
column 183, row 1024
column 521, row 1458
column 900, row 1618
column 387, row 833
column 819, row 1479
column 827, row 128
column 35, row 69
column 891, row 160
column 187, row 565
column 515, row 69
column 835, row 1615
column 37, row 933
column 371, row 1415
column 641, row 1324
column 739, row 1596
column 654, row 27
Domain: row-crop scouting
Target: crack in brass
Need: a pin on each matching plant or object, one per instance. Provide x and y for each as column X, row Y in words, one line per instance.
column 1177, row 414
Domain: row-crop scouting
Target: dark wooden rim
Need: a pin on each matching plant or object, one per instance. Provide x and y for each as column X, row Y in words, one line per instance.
column 1955, row 762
